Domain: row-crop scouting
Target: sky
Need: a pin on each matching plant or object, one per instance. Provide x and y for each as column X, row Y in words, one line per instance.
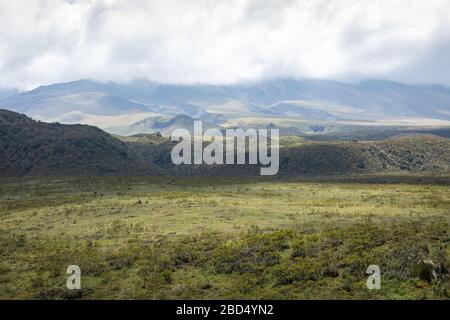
column 223, row 41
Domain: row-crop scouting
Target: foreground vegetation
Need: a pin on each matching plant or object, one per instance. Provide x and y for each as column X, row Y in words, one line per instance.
column 214, row 238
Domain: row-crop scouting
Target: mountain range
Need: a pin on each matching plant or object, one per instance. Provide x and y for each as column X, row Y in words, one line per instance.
column 314, row 107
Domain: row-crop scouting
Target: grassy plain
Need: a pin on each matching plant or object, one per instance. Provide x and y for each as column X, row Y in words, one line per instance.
column 214, row 238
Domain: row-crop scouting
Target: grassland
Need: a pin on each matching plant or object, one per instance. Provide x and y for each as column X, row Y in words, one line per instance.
column 214, row 238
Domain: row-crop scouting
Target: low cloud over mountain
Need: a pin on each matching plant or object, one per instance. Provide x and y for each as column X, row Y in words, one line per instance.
column 222, row 42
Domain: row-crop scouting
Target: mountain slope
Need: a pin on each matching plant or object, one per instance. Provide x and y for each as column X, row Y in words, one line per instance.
column 372, row 99
column 35, row 148
column 313, row 100
column 418, row 153
column 47, row 103
column 6, row 93
column 161, row 125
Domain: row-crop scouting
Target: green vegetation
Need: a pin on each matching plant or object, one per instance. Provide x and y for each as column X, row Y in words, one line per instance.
column 31, row 148
column 214, row 238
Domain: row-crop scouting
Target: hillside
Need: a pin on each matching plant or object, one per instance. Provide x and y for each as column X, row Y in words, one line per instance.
column 300, row 157
column 419, row 153
column 36, row 148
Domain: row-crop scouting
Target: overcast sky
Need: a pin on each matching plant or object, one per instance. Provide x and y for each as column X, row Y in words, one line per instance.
column 48, row 41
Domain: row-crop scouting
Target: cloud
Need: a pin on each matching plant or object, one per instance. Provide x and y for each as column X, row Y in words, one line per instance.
column 187, row 41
